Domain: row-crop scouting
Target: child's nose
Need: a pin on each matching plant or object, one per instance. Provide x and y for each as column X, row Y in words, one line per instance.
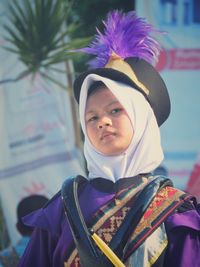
column 105, row 121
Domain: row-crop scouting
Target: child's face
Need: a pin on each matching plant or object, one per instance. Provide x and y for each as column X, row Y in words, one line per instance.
column 107, row 123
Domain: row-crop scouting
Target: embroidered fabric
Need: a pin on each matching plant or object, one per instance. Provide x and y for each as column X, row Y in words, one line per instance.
column 112, row 214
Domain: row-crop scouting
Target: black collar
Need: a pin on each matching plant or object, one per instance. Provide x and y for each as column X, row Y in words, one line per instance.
column 106, row 185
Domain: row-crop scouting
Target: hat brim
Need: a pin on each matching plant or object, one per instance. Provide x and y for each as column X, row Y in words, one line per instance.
column 158, row 96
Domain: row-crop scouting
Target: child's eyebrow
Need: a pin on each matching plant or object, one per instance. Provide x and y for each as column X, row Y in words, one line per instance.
column 89, row 112
column 108, row 105
column 113, row 102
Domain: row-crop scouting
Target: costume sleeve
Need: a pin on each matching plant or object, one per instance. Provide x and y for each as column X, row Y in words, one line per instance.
column 39, row 251
column 183, row 240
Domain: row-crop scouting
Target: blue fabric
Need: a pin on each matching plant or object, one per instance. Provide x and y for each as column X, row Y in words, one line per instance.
column 19, row 248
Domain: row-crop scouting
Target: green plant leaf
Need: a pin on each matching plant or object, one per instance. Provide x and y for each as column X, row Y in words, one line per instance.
column 37, row 33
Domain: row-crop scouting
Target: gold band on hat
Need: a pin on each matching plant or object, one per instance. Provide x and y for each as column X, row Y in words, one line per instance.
column 117, row 63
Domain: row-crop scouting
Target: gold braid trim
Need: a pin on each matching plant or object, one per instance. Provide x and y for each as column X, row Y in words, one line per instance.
column 119, row 64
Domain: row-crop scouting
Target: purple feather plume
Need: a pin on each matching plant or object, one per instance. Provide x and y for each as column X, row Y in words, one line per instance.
column 126, row 35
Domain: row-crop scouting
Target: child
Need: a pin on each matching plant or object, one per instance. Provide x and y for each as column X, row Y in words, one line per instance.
column 11, row 255
column 142, row 218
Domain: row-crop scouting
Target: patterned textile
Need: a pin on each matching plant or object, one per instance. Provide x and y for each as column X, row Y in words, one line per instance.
column 109, row 217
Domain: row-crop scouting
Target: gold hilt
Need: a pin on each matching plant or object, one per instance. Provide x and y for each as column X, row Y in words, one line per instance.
column 107, row 251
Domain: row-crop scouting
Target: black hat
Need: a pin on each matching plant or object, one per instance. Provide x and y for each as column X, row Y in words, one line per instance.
column 135, row 71
column 26, row 206
column 155, row 89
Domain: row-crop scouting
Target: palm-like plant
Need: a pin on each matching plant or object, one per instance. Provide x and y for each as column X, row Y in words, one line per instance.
column 37, row 33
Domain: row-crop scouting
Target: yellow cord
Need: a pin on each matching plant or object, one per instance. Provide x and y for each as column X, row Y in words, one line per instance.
column 107, row 251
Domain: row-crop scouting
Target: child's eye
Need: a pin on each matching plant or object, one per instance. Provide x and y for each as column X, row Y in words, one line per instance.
column 93, row 118
column 115, row 110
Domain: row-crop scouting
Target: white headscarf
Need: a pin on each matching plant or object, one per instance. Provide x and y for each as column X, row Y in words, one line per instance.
column 144, row 153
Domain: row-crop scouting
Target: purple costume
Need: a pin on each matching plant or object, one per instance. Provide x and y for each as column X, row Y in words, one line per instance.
column 168, row 233
column 51, row 242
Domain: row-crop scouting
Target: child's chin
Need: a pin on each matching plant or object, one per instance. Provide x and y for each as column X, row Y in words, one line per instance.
column 113, row 152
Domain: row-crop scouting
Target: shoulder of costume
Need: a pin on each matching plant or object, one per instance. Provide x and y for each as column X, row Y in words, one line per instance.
column 167, row 201
column 50, row 216
column 177, row 208
column 57, row 196
column 164, row 206
column 175, row 197
column 53, row 199
column 186, row 215
column 185, row 201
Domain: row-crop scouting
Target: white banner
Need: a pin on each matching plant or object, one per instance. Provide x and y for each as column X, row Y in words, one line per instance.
column 37, row 141
column 179, row 65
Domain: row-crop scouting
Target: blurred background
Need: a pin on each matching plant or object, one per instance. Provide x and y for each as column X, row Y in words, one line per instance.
column 41, row 141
